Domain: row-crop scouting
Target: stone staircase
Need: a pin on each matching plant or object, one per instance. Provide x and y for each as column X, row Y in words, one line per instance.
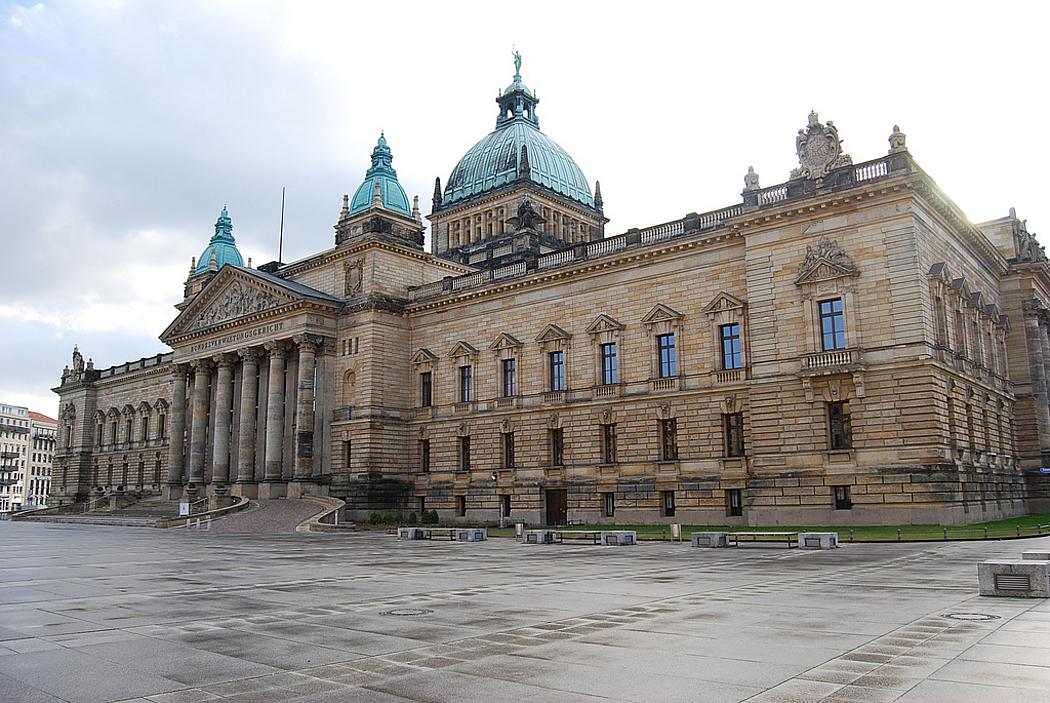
column 142, row 513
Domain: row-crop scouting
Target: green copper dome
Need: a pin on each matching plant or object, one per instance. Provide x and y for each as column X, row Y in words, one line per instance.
column 222, row 246
column 382, row 173
column 497, row 159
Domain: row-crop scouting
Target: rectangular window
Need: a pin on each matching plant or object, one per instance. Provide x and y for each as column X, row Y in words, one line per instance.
column 504, row 504
column 461, row 506
column 556, row 366
column 608, row 504
column 665, row 350
column 610, row 370
column 162, row 428
column 733, row 426
column 426, row 389
column 843, row 497
column 668, row 503
column 464, row 453
column 510, row 378
column 832, row 325
column 840, row 428
column 145, row 428
column 732, row 352
column 466, row 383
column 424, row 455
column 557, row 446
column 507, row 439
column 127, row 430
column 734, row 502
column 422, row 505
column 346, row 453
column 113, row 432
column 669, row 440
column 608, row 444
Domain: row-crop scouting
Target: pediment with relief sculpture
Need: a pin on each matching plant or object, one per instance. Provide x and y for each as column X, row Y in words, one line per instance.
column 233, row 294
column 824, row 262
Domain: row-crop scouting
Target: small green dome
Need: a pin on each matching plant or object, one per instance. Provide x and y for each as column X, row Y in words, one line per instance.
column 494, row 161
column 383, row 173
column 222, row 245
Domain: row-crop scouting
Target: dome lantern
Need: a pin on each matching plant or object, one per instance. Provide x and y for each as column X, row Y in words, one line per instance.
column 222, row 249
column 382, row 176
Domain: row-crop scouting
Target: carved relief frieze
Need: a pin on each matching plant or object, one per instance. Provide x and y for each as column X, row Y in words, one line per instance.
column 238, row 300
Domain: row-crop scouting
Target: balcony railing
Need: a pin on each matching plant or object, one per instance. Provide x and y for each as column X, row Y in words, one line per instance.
column 831, row 359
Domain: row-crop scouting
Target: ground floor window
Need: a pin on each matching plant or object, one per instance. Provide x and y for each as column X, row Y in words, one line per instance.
column 504, row 501
column 668, row 503
column 461, row 506
column 734, row 502
column 608, row 504
column 843, row 498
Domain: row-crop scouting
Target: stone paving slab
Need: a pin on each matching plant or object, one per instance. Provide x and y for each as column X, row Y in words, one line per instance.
column 104, row 615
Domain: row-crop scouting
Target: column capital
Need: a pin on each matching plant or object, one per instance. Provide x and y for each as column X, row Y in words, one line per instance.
column 179, row 371
column 277, row 349
column 201, row 365
column 311, row 341
column 223, row 360
column 250, row 354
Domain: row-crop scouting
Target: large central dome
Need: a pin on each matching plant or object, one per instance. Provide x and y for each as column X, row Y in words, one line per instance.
column 494, row 161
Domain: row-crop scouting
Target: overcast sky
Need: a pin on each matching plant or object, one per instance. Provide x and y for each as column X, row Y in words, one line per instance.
column 125, row 126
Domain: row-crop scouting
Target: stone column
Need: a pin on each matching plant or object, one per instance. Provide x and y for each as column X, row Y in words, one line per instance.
column 1035, row 341
column 274, row 413
column 220, row 463
column 246, row 438
column 304, row 409
column 177, row 433
column 199, row 426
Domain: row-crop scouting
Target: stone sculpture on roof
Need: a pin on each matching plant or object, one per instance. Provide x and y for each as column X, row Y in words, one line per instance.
column 819, row 149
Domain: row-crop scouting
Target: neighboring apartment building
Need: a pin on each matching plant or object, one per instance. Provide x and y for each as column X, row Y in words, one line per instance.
column 27, row 450
column 844, row 347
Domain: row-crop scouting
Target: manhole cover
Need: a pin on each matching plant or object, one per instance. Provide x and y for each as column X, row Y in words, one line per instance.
column 407, row 612
column 970, row 616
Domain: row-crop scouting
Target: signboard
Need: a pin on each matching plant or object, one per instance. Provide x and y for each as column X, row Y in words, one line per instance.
column 1044, row 469
column 184, row 509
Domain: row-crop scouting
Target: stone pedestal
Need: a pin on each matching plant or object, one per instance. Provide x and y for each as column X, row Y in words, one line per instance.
column 271, row 490
column 245, row 490
column 298, row 489
column 172, row 491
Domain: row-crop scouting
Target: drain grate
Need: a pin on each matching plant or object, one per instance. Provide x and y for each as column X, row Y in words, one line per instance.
column 407, row 612
column 970, row 616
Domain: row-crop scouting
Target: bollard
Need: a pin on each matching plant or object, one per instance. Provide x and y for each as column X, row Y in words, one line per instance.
column 945, row 533
column 851, row 534
column 986, row 533
column 898, row 534
column 1018, row 530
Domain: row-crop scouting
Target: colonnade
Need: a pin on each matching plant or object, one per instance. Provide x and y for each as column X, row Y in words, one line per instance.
column 249, row 416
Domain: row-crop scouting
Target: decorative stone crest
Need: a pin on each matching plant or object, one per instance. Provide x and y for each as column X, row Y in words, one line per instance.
column 823, row 261
column 527, row 217
column 751, row 180
column 897, row 140
column 354, row 273
column 236, row 301
column 819, row 149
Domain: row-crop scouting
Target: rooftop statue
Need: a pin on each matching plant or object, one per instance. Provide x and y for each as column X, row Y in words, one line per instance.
column 527, row 217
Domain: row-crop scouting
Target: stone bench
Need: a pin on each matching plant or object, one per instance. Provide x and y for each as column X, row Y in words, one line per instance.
column 455, row 534
column 1037, row 555
column 818, row 540
column 1022, row 578
column 772, row 537
column 471, row 534
column 410, row 533
column 537, row 537
column 619, row 538
column 710, row 539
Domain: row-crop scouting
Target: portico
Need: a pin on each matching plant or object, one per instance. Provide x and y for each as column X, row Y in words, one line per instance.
column 253, row 356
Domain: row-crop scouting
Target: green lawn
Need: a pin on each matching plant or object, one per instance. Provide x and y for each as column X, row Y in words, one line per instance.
column 1027, row 525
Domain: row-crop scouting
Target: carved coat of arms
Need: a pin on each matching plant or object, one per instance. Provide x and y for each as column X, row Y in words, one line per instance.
column 819, row 149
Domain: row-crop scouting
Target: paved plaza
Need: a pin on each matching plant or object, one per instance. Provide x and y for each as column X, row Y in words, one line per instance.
column 92, row 613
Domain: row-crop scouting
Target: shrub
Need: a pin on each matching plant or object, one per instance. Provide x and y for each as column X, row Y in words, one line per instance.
column 430, row 517
column 411, row 518
column 375, row 518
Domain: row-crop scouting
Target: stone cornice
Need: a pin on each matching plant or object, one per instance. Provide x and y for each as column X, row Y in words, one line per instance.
column 265, row 315
column 501, row 193
column 541, row 277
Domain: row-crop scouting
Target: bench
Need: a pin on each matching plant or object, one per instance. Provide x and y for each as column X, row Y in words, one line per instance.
column 790, row 539
column 710, row 539
column 454, row 534
column 818, row 540
column 1037, row 555
column 606, row 537
column 1022, row 578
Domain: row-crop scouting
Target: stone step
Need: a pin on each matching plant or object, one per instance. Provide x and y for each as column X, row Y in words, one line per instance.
column 93, row 519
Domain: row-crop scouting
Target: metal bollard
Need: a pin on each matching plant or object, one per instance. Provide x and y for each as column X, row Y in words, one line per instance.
column 986, row 533
column 898, row 534
column 945, row 533
column 1018, row 530
column 851, row 534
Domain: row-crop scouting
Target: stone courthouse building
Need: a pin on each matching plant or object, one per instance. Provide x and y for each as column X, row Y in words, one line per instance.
column 843, row 347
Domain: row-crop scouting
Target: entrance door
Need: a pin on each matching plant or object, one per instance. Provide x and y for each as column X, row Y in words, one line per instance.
column 557, row 506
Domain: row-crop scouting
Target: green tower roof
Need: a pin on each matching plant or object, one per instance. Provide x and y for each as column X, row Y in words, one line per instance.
column 494, row 161
column 222, row 245
column 383, row 173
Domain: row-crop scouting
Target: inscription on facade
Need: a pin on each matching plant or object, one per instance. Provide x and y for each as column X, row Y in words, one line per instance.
column 237, row 337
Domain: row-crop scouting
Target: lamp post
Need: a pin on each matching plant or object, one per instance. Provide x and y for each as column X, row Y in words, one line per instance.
column 499, row 498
